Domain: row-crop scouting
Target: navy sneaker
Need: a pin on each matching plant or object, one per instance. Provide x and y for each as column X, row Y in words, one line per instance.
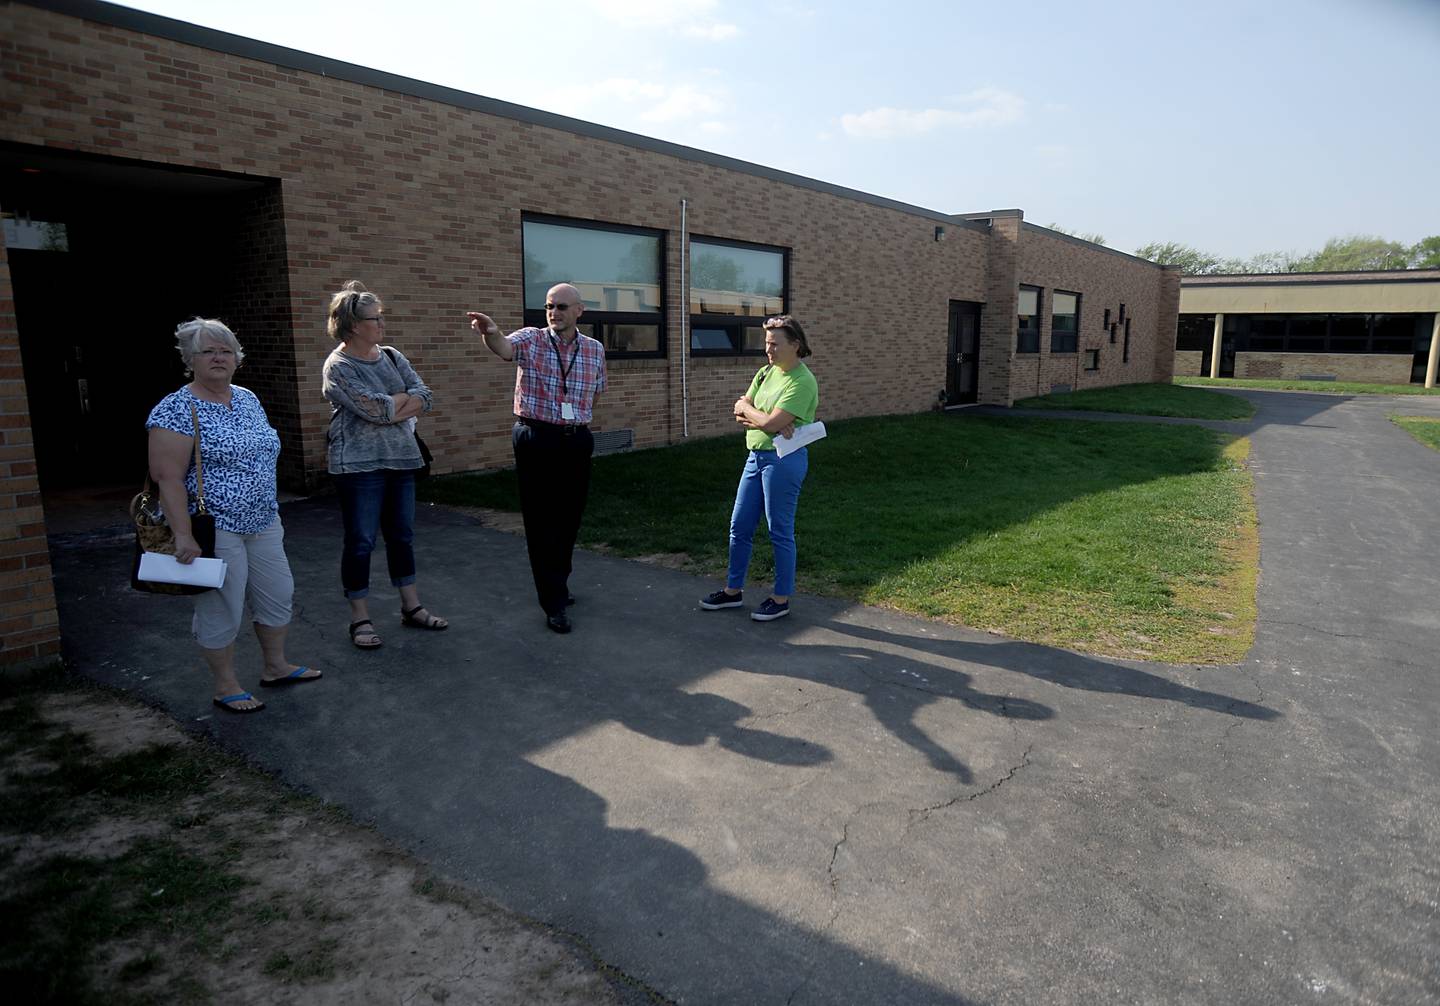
column 720, row 599
column 770, row 609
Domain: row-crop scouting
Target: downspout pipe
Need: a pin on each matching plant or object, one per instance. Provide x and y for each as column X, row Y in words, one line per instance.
column 684, row 300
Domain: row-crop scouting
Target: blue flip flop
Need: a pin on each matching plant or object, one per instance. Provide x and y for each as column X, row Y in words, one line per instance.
column 295, row 677
column 242, row 697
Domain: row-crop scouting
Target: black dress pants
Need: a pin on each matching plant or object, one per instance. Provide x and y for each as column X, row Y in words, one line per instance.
column 552, row 464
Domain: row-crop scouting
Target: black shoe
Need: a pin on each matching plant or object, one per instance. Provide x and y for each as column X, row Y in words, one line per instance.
column 720, row 599
column 558, row 622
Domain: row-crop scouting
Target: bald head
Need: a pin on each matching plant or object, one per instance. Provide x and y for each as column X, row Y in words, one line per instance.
column 563, row 309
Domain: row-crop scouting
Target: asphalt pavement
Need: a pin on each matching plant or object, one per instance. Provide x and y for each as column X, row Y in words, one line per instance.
column 851, row 805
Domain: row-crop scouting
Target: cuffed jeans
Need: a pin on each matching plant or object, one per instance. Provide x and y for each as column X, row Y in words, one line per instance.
column 384, row 501
column 552, row 465
column 772, row 484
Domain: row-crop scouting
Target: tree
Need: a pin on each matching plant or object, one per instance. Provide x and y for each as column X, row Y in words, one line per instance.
column 1192, row 261
column 1098, row 239
column 1425, row 254
column 1357, row 252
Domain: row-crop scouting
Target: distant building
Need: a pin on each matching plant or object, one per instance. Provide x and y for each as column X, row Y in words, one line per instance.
column 1375, row 327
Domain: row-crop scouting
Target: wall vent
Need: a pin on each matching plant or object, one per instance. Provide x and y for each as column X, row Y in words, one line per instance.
column 614, row 441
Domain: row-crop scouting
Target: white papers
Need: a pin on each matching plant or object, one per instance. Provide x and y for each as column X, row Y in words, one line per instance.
column 160, row 568
column 807, row 434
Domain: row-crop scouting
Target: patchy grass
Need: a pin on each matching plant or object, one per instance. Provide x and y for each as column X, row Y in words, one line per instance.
column 1120, row 538
column 1325, row 387
column 138, row 865
column 1425, row 429
column 1147, row 400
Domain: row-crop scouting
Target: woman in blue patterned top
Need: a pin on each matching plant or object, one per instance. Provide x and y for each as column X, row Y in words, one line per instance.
column 238, row 449
column 373, row 456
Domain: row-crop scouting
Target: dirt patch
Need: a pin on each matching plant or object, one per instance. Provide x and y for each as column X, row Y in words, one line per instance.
column 311, row 908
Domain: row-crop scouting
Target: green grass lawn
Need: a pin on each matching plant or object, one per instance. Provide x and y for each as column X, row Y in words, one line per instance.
column 1124, row 538
column 1147, row 400
column 1329, row 387
column 1425, row 429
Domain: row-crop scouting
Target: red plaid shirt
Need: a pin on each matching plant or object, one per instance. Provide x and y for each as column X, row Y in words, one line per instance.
column 550, row 372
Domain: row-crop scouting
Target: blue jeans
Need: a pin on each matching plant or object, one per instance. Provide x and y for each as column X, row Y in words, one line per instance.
column 382, row 500
column 771, row 484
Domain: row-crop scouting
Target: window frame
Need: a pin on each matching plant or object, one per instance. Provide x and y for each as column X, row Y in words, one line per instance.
column 1092, row 359
column 1071, row 336
column 733, row 325
column 600, row 322
column 1020, row 333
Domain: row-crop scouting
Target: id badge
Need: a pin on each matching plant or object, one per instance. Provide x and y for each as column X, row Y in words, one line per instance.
column 567, row 412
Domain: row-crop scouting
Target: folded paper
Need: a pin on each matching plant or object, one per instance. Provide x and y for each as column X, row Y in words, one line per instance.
column 807, row 434
column 162, row 568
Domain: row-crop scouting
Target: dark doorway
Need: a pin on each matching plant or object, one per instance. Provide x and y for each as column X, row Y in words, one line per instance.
column 106, row 257
column 1227, row 355
column 962, row 372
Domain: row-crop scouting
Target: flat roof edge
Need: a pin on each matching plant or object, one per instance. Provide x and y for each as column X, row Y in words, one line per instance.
column 1027, row 225
column 174, row 30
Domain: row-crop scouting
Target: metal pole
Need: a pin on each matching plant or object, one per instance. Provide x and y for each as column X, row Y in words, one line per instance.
column 1215, row 346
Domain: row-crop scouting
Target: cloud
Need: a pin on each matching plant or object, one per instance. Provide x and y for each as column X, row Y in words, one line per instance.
column 617, row 99
column 693, row 17
column 989, row 106
column 684, row 102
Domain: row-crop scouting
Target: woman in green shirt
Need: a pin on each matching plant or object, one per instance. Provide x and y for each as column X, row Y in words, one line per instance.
column 782, row 396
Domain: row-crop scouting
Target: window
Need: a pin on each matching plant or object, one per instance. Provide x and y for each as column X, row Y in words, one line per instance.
column 1064, row 322
column 1122, row 314
column 1306, row 334
column 734, row 287
column 1092, row 359
column 1125, row 355
column 33, row 235
column 1194, row 332
column 1349, row 333
column 1028, row 339
column 1397, row 333
column 1105, row 325
column 617, row 271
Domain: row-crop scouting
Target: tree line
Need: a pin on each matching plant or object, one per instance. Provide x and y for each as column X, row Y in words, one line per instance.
column 1346, row 254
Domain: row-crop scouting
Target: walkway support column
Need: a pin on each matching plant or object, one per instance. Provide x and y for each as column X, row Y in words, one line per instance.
column 1430, row 366
column 1215, row 346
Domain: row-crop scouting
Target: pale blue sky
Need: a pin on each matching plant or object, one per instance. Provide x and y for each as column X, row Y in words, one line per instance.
column 1238, row 127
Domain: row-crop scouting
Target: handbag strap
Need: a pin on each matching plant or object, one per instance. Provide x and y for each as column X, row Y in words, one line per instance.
column 199, row 468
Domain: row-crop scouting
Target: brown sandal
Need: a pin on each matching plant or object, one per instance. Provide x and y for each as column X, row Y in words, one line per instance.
column 376, row 641
column 433, row 622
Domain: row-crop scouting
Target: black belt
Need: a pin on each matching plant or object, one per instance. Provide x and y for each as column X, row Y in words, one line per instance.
column 565, row 429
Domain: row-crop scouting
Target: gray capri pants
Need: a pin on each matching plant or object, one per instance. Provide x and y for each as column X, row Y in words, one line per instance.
column 256, row 571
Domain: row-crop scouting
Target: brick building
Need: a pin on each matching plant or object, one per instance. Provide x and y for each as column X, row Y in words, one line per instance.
column 151, row 170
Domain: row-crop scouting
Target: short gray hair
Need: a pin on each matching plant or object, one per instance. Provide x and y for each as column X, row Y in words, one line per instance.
column 345, row 308
column 192, row 333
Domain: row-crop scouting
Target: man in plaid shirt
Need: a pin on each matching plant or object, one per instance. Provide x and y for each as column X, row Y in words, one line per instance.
column 559, row 374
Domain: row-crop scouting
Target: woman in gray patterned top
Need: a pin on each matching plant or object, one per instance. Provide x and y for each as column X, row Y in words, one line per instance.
column 373, row 456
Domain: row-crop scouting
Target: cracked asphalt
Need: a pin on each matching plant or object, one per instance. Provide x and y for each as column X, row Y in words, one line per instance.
column 855, row 806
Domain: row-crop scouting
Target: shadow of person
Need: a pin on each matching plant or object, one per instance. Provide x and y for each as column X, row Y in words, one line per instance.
column 1060, row 667
column 689, row 719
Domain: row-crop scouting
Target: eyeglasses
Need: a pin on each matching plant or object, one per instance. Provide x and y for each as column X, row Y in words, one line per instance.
column 212, row 353
column 378, row 319
column 559, row 307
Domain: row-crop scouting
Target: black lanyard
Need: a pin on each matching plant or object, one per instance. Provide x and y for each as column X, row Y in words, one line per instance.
column 562, row 367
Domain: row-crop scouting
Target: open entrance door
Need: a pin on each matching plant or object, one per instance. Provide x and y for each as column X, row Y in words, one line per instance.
column 962, row 373
column 106, row 257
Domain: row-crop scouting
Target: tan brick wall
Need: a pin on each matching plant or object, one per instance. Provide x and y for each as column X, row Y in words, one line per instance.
column 1104, row 280
column 423, row 202
column 1188, row 363
column 1373, row 368
column 29, row 625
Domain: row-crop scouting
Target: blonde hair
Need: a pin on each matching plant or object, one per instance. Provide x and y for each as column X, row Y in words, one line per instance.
column 345, row 308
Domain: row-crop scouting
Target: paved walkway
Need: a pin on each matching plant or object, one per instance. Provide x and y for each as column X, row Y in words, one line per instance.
column 853, row 806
